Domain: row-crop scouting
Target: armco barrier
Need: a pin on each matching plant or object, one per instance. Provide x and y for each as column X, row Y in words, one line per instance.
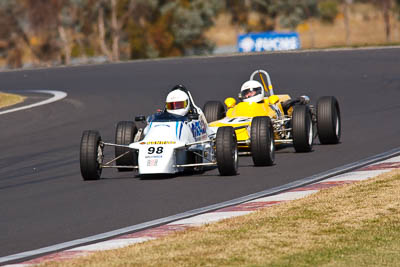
column 268, row 41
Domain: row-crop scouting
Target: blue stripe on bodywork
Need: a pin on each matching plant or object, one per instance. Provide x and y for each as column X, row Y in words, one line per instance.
column 176, row 128
column 180, row 130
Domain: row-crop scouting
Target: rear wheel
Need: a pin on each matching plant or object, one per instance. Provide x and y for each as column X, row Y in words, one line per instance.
column 213, row 111
column 262, row 141
column 91, row 155
column 226, row 151
column 302, row 128
column 328, row 120
column 124, row 135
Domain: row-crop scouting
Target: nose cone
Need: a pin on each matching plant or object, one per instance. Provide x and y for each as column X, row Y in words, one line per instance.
column 156, row 152
column 155, row 159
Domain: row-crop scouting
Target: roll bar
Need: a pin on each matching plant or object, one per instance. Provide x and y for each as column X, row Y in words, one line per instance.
column 268, row 89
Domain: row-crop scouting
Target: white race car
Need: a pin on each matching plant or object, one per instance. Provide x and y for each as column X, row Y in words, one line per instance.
column 167, row 144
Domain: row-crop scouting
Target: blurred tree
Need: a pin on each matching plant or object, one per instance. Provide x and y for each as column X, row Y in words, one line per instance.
column 268, row 10
column 397, row 8
column 239, row 11
column 43, row 18
column 386, row 7
column 56, row 30
column 188, row 21
column 290, row 12
column 13, row 32
column 117, row 14
column 155, row 28
column 294, row 12
column 171, row 28
column 328, row 10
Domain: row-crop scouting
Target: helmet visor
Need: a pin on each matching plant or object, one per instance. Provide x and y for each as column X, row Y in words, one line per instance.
column 251, row 92
column 177, row 105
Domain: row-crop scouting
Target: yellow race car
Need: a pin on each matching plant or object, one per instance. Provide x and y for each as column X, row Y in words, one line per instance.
column 263, row 119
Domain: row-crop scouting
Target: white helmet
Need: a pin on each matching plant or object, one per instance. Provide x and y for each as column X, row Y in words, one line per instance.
column 251, row 91
column 177, row 102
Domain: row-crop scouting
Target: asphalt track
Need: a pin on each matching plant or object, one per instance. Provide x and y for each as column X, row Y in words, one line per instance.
column 43, row 200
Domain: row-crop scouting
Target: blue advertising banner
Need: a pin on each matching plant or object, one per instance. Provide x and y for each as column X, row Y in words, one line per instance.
column 268, row 41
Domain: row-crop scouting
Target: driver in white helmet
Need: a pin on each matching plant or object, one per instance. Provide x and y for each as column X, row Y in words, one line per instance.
column 252, row 91
column 178, row 102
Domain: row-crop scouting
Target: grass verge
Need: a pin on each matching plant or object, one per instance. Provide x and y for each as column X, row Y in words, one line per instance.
column 10, row 99
column 351, row 225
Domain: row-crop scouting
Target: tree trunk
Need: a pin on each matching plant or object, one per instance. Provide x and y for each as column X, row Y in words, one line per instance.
column 14, row 53
column 386, row 18
column 346, row 21
column 114, row 30
column 66, row 44
column 312, row 34
column 311, row 28
column 102, row 35
column 396, row 31
column 19, row 31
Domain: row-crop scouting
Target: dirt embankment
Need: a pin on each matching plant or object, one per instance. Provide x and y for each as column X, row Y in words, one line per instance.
column 366, row 27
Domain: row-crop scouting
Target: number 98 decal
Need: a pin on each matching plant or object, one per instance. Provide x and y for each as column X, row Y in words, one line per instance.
column 157, row 150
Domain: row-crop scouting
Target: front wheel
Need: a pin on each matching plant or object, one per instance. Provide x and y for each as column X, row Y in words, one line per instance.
column 91, row 155
column 328, row 120
column 227, row 151
column 302, row 128
column 125, row 135
column 262, row 141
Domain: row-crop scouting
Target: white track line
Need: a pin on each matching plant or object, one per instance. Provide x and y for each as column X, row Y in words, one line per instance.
column 285, row 196
column 391, row 160
column 356, row 175
column 112, row 244
column 57, row 95
column 211, row 217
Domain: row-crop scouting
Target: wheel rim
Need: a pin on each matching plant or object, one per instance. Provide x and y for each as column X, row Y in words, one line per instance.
column 272, row 147
column 310, row 134
column 337, row 127
column 100, row 157
column 235, row 155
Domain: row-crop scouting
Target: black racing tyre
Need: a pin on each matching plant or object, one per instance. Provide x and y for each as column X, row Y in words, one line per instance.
column 227, row 151
column 124, row 135
column 302, row 128
column 328, row 120
column 262, row 141
column 213, row 111
column 91, row 155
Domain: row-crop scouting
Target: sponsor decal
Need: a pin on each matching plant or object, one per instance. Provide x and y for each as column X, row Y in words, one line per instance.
column 236, row 120
column 198, row 128
column 153, row 157
column 158, row 143
column 268, row 41
column 152, row 162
